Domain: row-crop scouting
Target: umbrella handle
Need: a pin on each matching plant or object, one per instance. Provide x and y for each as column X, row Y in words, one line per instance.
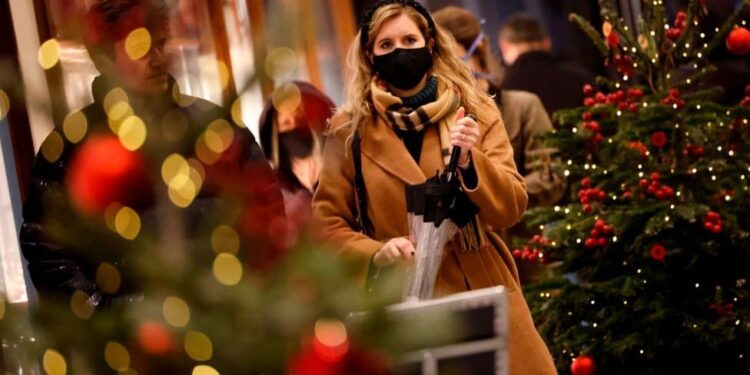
column 450, row 171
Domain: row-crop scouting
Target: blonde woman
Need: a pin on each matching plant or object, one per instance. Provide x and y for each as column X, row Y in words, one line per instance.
column 407, row 98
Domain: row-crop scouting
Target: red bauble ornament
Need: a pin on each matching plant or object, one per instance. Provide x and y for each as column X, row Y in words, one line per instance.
column 102, row 172
column 588, row 90
column 154, row 338
column 583, row 365
column 614, row 40
column 658, row 252
column 674, row 33
column 589, row 102
column 659, row 139
column 738, row 41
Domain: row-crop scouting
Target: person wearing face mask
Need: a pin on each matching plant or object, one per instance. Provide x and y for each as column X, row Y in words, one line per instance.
column 407, row 106
column 523, row 113
column 292, row 142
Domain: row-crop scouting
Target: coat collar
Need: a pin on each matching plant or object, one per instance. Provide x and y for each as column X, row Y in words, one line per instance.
column 381, row 145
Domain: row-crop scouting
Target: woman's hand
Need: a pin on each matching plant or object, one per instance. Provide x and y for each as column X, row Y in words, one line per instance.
column 399, row 248
column 464, row 134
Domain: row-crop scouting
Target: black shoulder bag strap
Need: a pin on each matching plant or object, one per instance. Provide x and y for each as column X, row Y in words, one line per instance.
column 359, row 185
column 373, row 272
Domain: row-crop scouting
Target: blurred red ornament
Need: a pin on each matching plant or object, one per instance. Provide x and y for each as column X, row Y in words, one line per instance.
column 583, row 365
column 589, row 102
column 355, row 361
column 674, row 33
column 588, row 90
column 658, row 252
column 738, row 41
column 614, row 40
column 659, row 139
column 154, row 338
column 102, row 172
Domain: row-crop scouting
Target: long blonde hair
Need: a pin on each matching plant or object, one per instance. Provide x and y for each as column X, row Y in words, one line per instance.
column 446, row 66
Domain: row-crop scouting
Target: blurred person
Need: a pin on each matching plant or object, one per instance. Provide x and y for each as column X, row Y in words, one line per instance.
column 292, row 141
column 59, row 271
column 523, row 113
column 406, row 101
column 525, row 48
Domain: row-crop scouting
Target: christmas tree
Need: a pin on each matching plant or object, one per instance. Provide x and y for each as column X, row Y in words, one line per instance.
column 653, row 248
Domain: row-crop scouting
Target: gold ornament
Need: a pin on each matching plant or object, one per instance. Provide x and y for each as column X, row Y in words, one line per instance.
column 606, row 28
column 643, row 42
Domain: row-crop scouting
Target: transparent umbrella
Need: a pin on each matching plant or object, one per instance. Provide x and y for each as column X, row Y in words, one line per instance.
column 436, row 210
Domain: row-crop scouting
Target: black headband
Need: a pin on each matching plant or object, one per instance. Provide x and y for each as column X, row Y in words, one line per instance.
column 363, row 39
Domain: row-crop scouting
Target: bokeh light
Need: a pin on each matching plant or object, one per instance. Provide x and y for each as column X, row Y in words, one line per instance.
column 198, row 346
column 174, row 167
column 179, row 98
column 227, row 269
column 205, row 153
column 236, row 112
column 281, row 64
column 49, row 54
column 138, row 43
column 176, row 311
column 219, row 135
column 127, row 223
column 183, row 179
column 174, row 125
column 132, row 133
column 117, row 356
column 330, row 332
column 204, row 370
column 4, row 104
column 53, row 146
column 154, row 338
column 108, row 278
column 114, row 96
column 224, row 239
column 75, row 126
column 224, row 74
column 81, row 305
column 54, row 363
column 331, row 343
column 286, row 98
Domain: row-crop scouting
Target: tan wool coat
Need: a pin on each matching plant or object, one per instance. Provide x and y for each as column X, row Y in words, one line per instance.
column 387, row 167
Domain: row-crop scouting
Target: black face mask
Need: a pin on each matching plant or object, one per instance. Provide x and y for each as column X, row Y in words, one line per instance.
column 297, row 143
column 403, row 68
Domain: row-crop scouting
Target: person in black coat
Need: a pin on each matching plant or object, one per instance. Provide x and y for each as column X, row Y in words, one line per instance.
column 59, row 269
column 525, row 47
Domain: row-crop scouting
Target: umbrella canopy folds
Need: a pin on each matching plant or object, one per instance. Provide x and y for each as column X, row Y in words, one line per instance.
column 436, row 209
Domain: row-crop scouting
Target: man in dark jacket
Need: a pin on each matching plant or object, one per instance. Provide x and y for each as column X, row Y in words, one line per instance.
column 525, row 46
column 126, row 39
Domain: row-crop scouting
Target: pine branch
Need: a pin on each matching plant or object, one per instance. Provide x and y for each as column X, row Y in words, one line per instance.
column 726, row 27
column 587, row 28
column 626, row 37
column 697, row 76
column 689, row 33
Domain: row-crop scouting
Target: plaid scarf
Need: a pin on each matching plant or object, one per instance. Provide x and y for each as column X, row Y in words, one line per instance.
column 439, row 112
column 400, row 117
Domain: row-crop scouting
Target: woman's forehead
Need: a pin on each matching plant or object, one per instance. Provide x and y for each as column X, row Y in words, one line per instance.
column 397, row 27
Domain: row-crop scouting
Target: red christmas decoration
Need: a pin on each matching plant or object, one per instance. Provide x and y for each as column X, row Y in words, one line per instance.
column 599, row 235
column 712, row 222
column 673, row 99
column 638, row 146
column 722, row 308
column 583, row 365
column 738, row 41
column 658, row 139
column 658, row 252
column 655, row 188
column 614, row 40
column 154, row 338
column 588, row 90
column 102, row 172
